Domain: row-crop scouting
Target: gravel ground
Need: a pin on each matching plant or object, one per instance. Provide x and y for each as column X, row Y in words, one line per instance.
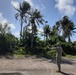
column 36, row 66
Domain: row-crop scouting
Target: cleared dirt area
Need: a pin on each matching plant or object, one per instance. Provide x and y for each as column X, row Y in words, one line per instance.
column 36, row 66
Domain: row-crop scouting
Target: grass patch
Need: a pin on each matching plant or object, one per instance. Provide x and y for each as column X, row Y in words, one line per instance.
column 71, row 56
column 21, row 55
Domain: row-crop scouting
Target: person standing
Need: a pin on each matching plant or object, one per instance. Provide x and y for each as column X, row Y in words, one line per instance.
column 59, row 51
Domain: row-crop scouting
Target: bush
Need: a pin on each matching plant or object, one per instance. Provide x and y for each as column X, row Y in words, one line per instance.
column 75, row 47
column 36, row 50
column 68, row 48
column 51, row 53
column 20, row 51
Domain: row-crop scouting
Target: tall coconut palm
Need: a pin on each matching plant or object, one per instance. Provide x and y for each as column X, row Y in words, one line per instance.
column 70, row 30
column 67, row 27
column 22, row 11
column 34, row 21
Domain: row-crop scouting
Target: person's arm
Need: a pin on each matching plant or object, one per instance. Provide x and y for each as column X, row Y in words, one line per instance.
column 53, row 48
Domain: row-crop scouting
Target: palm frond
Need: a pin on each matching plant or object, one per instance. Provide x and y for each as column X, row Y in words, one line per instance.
column 16, row 16
column 17, row 9
column 74, row 28
column 20, row 6
column 37, row 22
column 25, row 20
column 74, row 31
column 29, row 13
column 40, row 21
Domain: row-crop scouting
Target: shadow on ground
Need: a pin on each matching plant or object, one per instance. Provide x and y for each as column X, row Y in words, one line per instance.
column 10, row 74
column 53, row 59
column 63, row 73
column 64, row 61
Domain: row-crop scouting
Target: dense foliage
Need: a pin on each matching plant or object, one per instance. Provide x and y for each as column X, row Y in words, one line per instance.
column 30, row 42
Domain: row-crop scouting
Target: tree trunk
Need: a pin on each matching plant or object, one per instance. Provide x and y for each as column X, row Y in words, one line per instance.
column 32, row 37
column 21, row 31
column 69, row 40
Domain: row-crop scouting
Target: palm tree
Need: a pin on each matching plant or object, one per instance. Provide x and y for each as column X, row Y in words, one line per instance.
column 22, row 11
column 26, row 32
column 67, row 27
column 34, row 21
column 26, row 36
column 70, row 30
column 46, row 31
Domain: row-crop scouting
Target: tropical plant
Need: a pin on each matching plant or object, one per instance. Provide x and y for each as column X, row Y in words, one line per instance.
column 26, row 35
column 67, row 27
column 46, row 31
column 34, row 20
column 22, row 13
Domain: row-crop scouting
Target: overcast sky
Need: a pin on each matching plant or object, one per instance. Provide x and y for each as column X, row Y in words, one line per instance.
column 52, row 10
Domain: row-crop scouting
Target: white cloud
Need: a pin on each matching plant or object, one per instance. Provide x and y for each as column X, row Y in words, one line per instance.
column 66, row 7
column 1, row 16
column 3, row 21
column 42, row 5
column 12, row 26
column 40, row 30
column 35, row 6
column 15, row 4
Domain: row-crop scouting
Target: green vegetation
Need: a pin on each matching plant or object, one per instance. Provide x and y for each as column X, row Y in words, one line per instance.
column 71, row 56
column 51, row 53
column 30, row 43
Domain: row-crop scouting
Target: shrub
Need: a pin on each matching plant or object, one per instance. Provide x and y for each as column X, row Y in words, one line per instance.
column 20, row 51
column 68, row 48
column 51, row 53
column 75, row 47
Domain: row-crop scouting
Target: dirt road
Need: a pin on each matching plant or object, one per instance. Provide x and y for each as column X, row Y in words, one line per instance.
column 36, row 66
